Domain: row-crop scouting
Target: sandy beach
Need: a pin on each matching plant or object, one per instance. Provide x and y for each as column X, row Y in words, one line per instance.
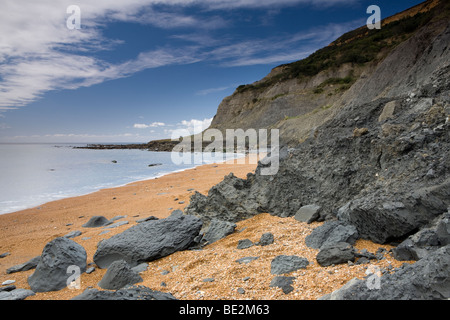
column 24, row 234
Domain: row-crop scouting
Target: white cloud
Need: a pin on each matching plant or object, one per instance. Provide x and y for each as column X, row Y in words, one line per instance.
column 151, row 125
column 38, row 53
column 196, row 126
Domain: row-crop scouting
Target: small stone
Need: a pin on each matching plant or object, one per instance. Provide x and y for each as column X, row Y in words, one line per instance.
column 285, row 283
column 115, row 225
column 90, row 270
column 208, row 280
column 266, row 239
column 246, row 259
column 244, row 244
column 73, row 234
column 240, row 290
column 8, row 288
column 8, row 282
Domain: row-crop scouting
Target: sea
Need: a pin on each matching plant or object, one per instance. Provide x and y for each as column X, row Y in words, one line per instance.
column 34, row 174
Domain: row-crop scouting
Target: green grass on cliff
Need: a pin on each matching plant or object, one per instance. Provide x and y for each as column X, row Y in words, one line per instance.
column 359, row 46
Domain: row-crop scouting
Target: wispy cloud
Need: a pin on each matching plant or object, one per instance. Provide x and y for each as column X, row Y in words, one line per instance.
column 205, row 92
column 39, row 54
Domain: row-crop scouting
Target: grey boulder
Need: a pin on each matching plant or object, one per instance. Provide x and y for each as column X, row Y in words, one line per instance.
column 266, row 239
column 427, row 279
column 119, row 275
column 286, row 264
column 217, row 230
column 425, row 241
column 128, row 293
column 285, row 283
column 51, row 273
column 338, row 253
column 97, row 221
column 308, row 214
column 149, row 241
column 332, row 232
column 244, row 244
column 30, row 264
column 16, row 294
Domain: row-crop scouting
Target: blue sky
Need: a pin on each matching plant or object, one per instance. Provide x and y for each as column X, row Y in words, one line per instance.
column 139, row 69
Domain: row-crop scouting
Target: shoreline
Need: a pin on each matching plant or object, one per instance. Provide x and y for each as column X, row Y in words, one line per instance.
column 53, row 198
column 24, row 233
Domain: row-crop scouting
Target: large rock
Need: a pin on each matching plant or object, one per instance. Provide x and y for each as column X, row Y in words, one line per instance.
column 97, row 221
column 338, row 253
column 428, row 239
column 388, row 178
column 149, row 241
column 427, row 279
column 30, row 264
column 16, row 294
column 128, row 293
column 51, row 272
column 119, row 275
column 308, row 213
column 382, row 218
column 217, row 230
column 331, row 232
column 285, row 283
column 227, row 201
column 286, row 264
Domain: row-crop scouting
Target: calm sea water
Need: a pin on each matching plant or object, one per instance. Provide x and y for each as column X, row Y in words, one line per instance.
column 33, row 174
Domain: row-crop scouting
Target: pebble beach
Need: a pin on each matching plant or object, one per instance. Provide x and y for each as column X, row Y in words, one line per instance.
column 212, row 273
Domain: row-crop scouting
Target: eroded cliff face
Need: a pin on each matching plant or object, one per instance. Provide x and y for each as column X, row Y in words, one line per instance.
column 273, row 107
column 355, row 71
column 378, row 158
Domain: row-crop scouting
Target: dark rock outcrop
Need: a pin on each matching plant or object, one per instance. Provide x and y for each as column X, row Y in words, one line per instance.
column 149, row 240
column 427, row 279
column 389, row 182
column 427, row 240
